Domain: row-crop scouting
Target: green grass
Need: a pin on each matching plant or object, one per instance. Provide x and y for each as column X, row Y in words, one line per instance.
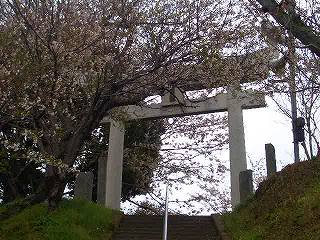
column 287, row 206
column 72, row 220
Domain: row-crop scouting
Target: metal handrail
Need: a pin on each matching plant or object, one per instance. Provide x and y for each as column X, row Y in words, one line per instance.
column 165, row 223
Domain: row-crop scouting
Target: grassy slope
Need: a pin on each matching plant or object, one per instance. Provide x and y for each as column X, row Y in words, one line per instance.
column 73, row 220
column 286, row 206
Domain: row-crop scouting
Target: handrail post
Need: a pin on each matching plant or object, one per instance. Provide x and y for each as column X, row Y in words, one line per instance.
column 165, row 224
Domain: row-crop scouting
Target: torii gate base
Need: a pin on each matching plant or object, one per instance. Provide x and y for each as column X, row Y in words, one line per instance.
column 231, row 103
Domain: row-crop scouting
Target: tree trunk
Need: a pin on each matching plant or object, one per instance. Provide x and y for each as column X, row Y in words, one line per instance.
column 51, row 190
column 10, row 190
column 55, row 183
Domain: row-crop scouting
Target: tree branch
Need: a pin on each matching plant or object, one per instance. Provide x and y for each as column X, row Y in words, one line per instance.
column 293, row 23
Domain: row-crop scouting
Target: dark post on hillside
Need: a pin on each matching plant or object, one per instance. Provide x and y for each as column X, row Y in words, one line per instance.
column 246, row 185
column 270, row 159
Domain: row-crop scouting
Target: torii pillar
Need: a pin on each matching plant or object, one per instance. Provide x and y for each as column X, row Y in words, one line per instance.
column 232, row 103
column 113, row 176
column 237, row 147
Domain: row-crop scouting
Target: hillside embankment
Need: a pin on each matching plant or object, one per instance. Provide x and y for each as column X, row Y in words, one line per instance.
column 285, row 206
column 72, row 220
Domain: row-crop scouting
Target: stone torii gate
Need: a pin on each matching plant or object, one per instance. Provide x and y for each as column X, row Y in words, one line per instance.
column 174, row 104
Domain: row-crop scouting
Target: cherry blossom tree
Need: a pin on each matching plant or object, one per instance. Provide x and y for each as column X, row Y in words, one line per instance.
column 65, row 64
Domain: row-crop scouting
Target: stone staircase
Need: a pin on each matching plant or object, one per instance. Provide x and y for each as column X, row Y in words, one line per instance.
column 179, row 228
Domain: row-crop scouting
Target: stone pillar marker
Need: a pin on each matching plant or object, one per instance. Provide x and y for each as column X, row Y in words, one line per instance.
column 246, row 185
column 101, row 180
column 114, row 165
column 83, row 186
column 270, row 159
column 237, row 148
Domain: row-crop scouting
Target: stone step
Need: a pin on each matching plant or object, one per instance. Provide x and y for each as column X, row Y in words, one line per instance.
column 180, row 227
column 172, row 219
column 184, row 231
